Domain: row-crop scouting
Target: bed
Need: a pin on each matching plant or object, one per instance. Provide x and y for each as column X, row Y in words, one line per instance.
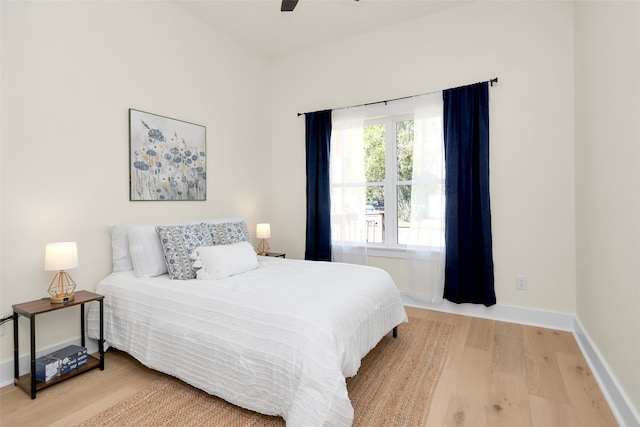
column 278, row 338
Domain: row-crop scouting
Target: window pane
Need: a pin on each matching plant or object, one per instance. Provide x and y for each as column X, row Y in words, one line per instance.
column 374, row 162
column 347, row 156
column 404, row 148
column 375, row 227
column 426, row 209
column 348, row 221
column 375, row 198
column 375, row 214
column 404, row 212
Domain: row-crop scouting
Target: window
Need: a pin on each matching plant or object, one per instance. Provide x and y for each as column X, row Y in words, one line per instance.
column 387, row 177
column 388, row 149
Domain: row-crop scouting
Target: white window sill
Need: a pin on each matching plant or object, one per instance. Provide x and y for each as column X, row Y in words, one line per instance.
column 387, row 252
column 390, row 251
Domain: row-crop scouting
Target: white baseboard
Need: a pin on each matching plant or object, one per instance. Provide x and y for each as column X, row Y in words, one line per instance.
column 504, row 313
column 7, row 367
column 613, row 392
column 617, row 399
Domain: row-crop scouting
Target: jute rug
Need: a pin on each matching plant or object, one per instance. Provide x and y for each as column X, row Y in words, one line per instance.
column 394, row 387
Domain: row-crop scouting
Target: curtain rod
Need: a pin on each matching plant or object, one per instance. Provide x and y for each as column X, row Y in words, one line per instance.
column 491, row 82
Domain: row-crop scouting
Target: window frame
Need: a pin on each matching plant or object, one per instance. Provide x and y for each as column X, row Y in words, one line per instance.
column 391, row 182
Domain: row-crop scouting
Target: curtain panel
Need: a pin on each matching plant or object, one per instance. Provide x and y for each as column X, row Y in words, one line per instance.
column 348, row 190
column 425, row 241
column 318, row 141
column 469, row 254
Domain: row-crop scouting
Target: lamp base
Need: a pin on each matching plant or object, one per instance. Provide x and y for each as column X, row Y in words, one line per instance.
column 263, row 248
column 61, row 288
column 62, row 298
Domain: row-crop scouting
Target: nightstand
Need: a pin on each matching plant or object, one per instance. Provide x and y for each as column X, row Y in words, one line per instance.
column 276, row 254
column 34, row 308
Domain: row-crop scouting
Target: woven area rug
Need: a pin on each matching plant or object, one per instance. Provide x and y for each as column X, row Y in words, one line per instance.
column 393, row 387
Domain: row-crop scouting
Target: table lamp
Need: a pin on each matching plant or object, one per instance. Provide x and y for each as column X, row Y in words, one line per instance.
column 263, row 232
column 60, row 257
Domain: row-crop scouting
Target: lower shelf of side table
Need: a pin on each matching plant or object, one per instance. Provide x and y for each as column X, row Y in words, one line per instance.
column 24, row 382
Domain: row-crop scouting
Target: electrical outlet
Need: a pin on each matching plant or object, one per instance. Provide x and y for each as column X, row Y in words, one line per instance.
column 521, row 282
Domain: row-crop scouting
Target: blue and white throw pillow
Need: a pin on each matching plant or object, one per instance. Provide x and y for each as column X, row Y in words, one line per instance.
column 227, row 233
column 178, row 241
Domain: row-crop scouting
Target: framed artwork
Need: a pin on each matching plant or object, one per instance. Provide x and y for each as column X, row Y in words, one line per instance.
column 167, row 158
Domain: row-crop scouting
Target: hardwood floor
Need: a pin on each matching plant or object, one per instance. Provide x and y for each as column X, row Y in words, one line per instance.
column 506, row 374
column 496, row 374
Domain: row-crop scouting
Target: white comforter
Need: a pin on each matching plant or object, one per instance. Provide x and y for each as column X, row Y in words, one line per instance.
column 280, row 339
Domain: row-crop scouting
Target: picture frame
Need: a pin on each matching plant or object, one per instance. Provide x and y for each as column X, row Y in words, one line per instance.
column 167, row 158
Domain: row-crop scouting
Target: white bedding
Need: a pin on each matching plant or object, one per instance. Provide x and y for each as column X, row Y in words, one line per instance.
column 280, row 339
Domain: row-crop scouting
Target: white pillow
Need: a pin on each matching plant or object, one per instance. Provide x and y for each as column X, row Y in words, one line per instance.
column 218, row 262
column 146, row 252
column 120, row 257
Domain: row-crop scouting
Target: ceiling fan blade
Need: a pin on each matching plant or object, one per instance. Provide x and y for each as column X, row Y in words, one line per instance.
column 288, row 5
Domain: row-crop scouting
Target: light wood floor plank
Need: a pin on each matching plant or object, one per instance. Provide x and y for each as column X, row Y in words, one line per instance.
column 508, row 329
column 587, row 402
column 543, row 373
column 481, row 334
column 508, row 353
column 548, row 412
column 440, row 406
column 463, row 412
column 509, row 404
column 474, row 378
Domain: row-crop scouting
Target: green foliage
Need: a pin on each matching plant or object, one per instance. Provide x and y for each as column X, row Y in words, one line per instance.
column 374, row 160
column 375, row 196
column 404, row 148
column 404, row 144
column 404, row 203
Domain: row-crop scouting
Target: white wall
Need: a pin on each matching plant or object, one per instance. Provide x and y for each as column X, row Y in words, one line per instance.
column 529, row 47
column 608, row 183
column 70, row 72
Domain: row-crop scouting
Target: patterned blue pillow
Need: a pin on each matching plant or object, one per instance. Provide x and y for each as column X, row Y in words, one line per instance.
column 178, row 241
column 227, row 233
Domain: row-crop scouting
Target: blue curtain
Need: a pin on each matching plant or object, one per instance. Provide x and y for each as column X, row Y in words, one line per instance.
column 318, row 137
column 469, row 252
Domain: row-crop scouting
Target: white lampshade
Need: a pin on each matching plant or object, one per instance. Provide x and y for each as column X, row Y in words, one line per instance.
column 263, row 231
column 60, row 256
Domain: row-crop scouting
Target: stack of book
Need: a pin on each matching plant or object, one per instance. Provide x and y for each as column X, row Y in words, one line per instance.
column 60, row 362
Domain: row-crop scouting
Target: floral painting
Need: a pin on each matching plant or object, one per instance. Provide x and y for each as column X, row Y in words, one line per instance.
column 167, row 159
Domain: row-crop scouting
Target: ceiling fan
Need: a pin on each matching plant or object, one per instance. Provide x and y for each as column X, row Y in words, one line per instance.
column 289, row 5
